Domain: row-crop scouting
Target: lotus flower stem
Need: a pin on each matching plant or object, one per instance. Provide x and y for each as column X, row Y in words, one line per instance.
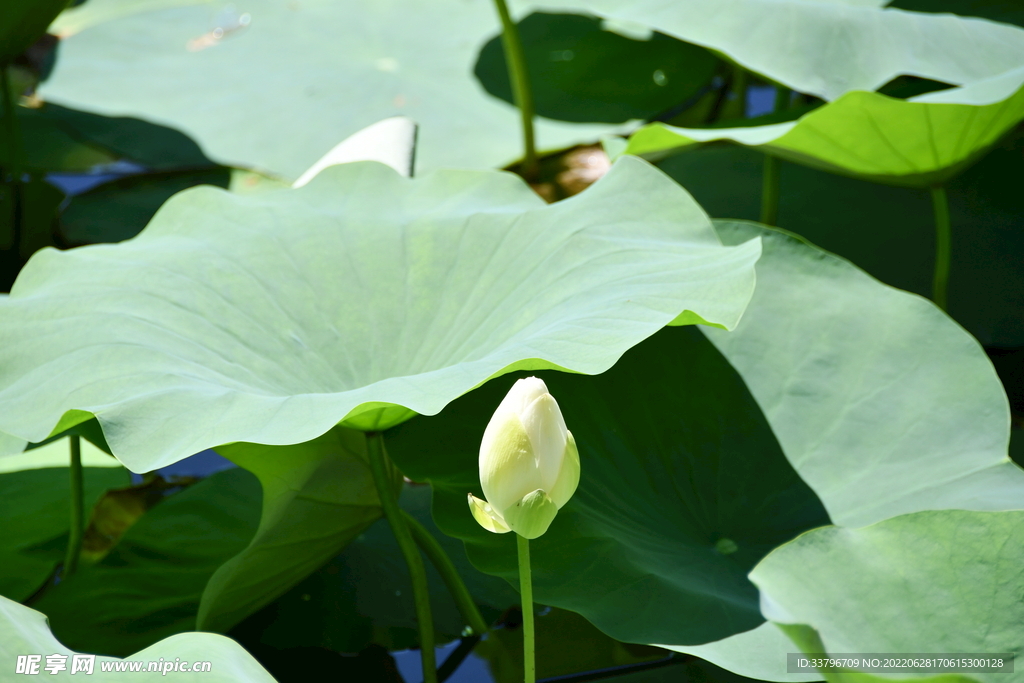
column 735, row 104
column 519, row 77
column 529, row 469
column 770, row 177
column 943, row 246
column 526, row 594
column 417, row 572
column 77, row 510
column 11, row 121
column 782, row 97
column 437, row 556
column 770, row 190
column 13, row 135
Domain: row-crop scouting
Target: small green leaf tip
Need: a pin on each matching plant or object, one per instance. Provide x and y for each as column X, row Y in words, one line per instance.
column 532, row 515
column 529, row 464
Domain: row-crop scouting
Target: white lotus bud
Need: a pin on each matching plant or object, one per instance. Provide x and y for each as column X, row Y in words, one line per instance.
column 529, row 465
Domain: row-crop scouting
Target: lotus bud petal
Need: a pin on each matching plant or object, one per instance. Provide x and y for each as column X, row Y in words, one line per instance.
column 569, row 476
column 486, row 517
column 529, row 464
column 532, row 515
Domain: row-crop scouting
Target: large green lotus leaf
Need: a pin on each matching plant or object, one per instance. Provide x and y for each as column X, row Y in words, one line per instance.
column 148, row 586
column 274, row 85
column 829, row 47
column 890, row 231
column 10, row 445
column 82, row 15
column 683, row 489
column 868, row 389
column 581, row 71
column 35, row 507
column 269, row 318
column 919, row 142
column 24, row 631
column 317, row 497
column 759, row 653
column 809, row 641
column 863, row 396
column 943, row 582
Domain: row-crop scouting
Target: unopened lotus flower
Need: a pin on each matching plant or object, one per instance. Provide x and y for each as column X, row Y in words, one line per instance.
column 529, row 465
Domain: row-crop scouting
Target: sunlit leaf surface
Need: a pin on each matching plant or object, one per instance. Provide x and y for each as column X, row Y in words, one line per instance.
column 274, row 84
column 829, row 47
column 363, row 296
column 942, row 582
column 920, row 142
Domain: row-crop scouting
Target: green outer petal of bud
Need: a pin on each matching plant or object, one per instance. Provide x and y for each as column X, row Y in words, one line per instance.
column 568, row 475
column 486, row 517
column 532, row 515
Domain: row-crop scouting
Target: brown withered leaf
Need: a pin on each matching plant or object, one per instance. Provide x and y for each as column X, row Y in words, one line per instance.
column 119, row 509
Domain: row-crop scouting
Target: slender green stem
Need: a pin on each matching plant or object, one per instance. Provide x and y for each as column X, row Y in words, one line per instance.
column 526, row 593
column 735, row 106
column 770, row 175
column 11, row 122
column 719, row 102
column 943, row 246
column 515, row 57
column 770, row 190
column 77, row 510
column 782, row 97
column 379, row 467
column 439, row 558
column 14, row 147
